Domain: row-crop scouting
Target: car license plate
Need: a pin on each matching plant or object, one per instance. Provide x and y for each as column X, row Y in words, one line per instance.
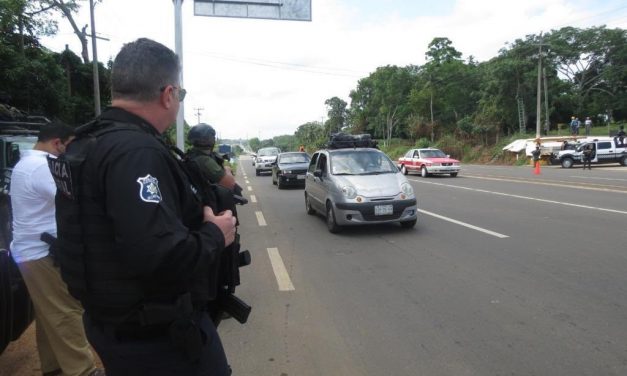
column 383, row 209
column 300, row 177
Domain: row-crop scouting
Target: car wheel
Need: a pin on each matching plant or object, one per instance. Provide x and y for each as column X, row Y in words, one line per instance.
column 567, row 162
column 331, row 224
column 409, row 224
column 453, row 174
column 404, row 170
column 623, row 161
column 308, row 207
column 256, row 172
column 278, row 183
column 423, row 172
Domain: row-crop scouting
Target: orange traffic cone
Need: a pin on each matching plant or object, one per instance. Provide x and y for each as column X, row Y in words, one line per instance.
column 537, row 170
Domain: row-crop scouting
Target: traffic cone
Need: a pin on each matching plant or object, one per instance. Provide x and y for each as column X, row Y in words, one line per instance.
column 537, row 170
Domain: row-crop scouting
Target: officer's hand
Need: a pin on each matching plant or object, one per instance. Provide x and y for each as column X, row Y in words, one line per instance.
column 228, row 170
column 225, row 221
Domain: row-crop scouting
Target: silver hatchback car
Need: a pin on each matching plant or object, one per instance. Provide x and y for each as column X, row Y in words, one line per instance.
column 356, row 186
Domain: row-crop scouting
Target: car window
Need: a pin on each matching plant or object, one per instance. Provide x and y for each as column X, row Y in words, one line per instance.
column 312, row 164
column 322, row 164
column 416, row 155
column 361, row 162
column 268, row 152
column 435, row 153
column 294, row 158
column 409, row 154
column 605, row 145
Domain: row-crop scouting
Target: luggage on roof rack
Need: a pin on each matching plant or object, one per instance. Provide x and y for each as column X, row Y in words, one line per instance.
column 343, row 140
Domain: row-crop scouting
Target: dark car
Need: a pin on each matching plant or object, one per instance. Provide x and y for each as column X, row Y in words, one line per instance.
column 16, row 310
column 290, row 169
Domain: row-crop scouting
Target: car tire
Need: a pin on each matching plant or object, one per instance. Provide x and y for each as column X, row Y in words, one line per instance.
column 409, row 224
column 331, row 223
column 453, row 174
column 567, row 162
column 278, row 183
column 404, row 170
column 310, row 210
column 257, row 173
column 423, row 172
column 623, row 160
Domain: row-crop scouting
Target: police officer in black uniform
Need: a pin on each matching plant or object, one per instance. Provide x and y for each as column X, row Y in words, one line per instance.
column 135, row 243
column 203, row 138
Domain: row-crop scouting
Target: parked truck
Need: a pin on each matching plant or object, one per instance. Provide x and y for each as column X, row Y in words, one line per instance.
column 605, row 150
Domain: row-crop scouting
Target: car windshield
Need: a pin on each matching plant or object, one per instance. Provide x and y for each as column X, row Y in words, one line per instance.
column 361, row 162
column 267, row 152
column 294, row 158
column 432, row 154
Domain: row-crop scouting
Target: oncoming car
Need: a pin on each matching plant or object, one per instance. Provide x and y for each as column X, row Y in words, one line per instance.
column 356, row 186
column 266, row 157
column 428, row 161
column 290, row 169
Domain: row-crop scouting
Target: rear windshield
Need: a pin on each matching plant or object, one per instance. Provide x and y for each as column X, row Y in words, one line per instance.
column 433, row 154
column 294, row 158
column 361, row 162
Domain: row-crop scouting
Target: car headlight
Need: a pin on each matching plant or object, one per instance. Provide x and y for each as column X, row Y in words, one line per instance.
column 349, row 192
column 407, row 189
column 286, row 172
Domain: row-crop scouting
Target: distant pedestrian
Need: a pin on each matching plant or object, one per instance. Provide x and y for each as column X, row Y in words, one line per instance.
column 573, row 126
column 621, row 135
column 588, row 124
column 588, row 156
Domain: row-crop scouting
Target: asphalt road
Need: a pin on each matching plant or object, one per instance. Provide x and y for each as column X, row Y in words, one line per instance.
column 506, row 273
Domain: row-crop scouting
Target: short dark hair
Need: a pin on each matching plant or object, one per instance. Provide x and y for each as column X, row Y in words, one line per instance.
column 55, row 130
column 141, row 69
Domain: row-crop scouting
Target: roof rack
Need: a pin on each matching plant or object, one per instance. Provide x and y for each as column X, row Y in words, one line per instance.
column 342, row 141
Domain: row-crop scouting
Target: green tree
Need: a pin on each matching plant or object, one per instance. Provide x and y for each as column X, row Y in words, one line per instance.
column 337, row 113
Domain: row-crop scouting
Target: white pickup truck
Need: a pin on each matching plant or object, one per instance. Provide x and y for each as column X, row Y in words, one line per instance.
column 606, row 150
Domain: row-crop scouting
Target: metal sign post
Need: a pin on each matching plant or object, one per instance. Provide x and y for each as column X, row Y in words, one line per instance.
column 178, row 46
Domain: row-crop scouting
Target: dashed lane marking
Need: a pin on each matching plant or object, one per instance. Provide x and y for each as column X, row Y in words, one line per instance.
column 260, row 219
column 253, row 199
column 250, row 188
column 282, row 277
column 480, row 229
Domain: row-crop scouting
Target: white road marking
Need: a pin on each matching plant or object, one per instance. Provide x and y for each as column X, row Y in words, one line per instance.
column 464, row 224
column 282, row 277
column 524, row 197
column 588, row 177
column 590, row 186
column 247, row 182
column 253, row 199
column 250, row 188
column 260, row 219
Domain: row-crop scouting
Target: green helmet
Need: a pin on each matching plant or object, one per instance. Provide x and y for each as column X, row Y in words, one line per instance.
column 202, row 135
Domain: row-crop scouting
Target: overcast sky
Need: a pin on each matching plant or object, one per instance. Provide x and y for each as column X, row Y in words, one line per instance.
column 263, row 78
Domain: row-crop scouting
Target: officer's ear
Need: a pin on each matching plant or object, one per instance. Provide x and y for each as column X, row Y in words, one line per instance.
column 168, row 96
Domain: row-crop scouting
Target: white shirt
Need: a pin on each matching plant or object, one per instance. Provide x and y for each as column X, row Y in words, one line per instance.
column 32, row 201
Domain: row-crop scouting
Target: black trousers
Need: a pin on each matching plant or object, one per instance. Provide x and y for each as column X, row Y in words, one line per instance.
column 588, row 161
column 156, row 355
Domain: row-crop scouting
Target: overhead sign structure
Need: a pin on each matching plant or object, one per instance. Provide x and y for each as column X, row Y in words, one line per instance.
column 290, row 10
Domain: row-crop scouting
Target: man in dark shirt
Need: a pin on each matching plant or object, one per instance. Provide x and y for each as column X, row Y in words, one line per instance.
column 148, row 245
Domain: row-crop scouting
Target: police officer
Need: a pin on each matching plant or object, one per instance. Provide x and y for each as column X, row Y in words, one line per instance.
column 136, row 242
column 203, row 138
column 588, row 156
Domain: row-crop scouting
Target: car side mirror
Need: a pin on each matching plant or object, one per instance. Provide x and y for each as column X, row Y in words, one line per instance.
column 317, row 173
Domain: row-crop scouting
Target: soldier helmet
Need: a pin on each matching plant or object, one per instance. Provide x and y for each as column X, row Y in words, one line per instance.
column 202, row 135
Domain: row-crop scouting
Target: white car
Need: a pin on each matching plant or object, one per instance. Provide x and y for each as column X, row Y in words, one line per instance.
column 266, row 158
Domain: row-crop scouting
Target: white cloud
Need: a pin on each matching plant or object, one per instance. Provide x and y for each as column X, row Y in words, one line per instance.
column 265, row 78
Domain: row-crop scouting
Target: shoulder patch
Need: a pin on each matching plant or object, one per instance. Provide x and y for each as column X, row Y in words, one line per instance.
column 149, row 189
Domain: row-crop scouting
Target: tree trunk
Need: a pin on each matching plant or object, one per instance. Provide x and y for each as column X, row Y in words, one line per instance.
column 80, row 33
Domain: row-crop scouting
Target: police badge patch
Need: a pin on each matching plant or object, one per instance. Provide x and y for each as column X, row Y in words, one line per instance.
column 149, row 189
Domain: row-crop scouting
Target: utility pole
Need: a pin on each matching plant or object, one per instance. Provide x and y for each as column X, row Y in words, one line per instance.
column 538, row 97
column 198, row 109
column 178, row 42
column 95, row 60
column 547, row 124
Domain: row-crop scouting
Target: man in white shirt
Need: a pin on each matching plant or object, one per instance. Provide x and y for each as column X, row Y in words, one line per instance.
column 61, row 342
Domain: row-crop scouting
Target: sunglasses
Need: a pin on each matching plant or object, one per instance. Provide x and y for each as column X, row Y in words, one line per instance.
column 182, row 92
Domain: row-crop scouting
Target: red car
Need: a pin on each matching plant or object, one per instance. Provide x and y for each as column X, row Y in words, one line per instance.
column 428, row 161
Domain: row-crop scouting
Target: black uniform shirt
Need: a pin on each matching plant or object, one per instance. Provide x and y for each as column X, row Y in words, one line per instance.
column 159, row 240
